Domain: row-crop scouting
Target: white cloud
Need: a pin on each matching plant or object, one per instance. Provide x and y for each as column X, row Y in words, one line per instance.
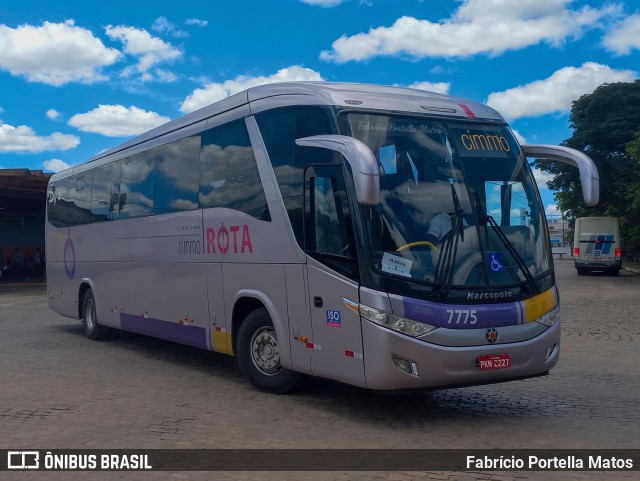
column 213, row 92
column 55, row 165
column 478, row 27
column 53, row 114
column 24, row 139
column 438, row 69
column 323, row 3
column 117, row 120
column 54, row 53
column 197, row 22
column 438, row 87
column 552, row 210
column 148, row 49
column 159, row 75
column 163, row 25
column 625, row 36
column 519, row 137
column 555, row 93
column 542, row 178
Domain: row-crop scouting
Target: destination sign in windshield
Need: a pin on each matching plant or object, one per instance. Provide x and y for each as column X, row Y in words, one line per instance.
column 481, row 141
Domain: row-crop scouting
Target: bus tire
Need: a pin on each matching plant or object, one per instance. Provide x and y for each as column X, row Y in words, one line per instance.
column 259, row 356
column 92, row 329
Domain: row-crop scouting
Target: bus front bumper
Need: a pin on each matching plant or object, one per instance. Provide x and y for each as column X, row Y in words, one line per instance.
column 438, row 366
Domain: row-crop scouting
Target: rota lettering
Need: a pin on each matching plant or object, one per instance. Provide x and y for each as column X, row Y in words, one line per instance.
column 228, row 239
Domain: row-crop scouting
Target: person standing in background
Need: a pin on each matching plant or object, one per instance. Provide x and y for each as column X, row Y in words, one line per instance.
column 37, row 264
column 17, row 264
column 2, row 264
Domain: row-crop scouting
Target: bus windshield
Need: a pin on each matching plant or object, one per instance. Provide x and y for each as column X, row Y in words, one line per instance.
column 458, row 204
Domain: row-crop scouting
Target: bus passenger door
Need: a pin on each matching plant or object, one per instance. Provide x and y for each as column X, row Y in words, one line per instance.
column 332, row 275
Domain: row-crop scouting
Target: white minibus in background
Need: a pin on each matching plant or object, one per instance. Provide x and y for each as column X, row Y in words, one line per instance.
column 384, row 237
column 596, row 245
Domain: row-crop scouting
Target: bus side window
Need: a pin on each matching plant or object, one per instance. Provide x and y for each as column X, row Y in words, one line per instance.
column 105, row 193
column 228, row 172
column 177, row 175
column 280, row 128
column 329, row 235
column 80, row 198
column 57, row 203
column 137, row 185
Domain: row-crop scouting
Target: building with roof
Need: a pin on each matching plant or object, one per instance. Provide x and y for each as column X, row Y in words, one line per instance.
column 23, row 195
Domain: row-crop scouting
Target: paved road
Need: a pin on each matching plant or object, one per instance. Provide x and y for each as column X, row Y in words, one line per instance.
column 59, row 390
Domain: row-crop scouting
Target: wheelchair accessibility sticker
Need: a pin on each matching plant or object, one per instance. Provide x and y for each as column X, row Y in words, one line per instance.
column 496, row 263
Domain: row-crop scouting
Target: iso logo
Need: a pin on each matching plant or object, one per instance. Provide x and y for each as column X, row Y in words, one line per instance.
column 23, row 460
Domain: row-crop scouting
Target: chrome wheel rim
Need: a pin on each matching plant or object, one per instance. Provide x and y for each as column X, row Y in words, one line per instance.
column 265, row 353
column 90, row 314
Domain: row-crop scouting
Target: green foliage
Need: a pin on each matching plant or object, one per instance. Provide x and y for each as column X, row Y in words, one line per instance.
column 633, row 227
column 606, row 127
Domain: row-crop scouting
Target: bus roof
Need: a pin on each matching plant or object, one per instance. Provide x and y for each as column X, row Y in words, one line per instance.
column 354, row 95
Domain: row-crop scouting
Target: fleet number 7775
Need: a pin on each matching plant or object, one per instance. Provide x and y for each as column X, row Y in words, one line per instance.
column 462, row 316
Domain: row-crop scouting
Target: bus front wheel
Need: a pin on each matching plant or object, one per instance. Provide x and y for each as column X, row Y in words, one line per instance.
column 258, row 354
column 92, row 329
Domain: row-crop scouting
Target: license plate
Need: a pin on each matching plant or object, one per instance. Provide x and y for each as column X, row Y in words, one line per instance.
column 494, row 361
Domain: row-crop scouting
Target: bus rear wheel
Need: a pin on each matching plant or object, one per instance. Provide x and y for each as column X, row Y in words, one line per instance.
column 92, row 329
column 259, row 355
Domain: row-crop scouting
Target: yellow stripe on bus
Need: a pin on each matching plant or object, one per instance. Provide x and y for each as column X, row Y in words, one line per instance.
column 222, row 342
column 539, row 305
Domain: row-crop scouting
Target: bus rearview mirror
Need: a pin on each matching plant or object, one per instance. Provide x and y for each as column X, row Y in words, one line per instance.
column 589, row 177
column 364, row 165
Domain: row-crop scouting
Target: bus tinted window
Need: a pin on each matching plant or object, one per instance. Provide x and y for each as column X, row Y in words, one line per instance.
column 280, row 128
column 137, row 185
column 177, row 175
column 105, row 196
column 80, row 199
column 329, row 229
column 228, row 171
column 57, row 203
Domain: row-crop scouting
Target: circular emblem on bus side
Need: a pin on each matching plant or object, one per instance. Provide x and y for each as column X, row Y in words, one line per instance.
column 69, row 256
column 491, row 334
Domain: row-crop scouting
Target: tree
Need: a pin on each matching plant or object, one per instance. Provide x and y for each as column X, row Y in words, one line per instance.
column 633, row 234
column 606, row 127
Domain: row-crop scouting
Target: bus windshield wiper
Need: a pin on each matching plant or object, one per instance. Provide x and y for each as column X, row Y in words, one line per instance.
column 447, row 260
column 514, row 253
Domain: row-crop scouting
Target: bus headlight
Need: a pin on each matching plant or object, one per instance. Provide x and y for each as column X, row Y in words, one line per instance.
column 401, row 324
column 550, row 318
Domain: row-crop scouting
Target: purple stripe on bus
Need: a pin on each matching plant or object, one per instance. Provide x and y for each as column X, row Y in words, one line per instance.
column 468, row 316
column 171, row 331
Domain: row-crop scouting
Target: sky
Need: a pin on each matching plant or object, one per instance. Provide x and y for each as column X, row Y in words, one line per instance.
column 80, row 77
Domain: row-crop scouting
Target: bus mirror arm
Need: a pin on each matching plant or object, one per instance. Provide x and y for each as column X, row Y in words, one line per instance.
column 364, row 165
column 589, row 177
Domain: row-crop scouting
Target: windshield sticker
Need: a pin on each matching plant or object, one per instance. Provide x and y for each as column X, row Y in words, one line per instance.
column 496, row 263
column 396, row 265
column 388, row 159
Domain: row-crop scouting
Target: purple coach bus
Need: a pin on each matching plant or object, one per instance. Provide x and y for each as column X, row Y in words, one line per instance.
column 384, row 237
